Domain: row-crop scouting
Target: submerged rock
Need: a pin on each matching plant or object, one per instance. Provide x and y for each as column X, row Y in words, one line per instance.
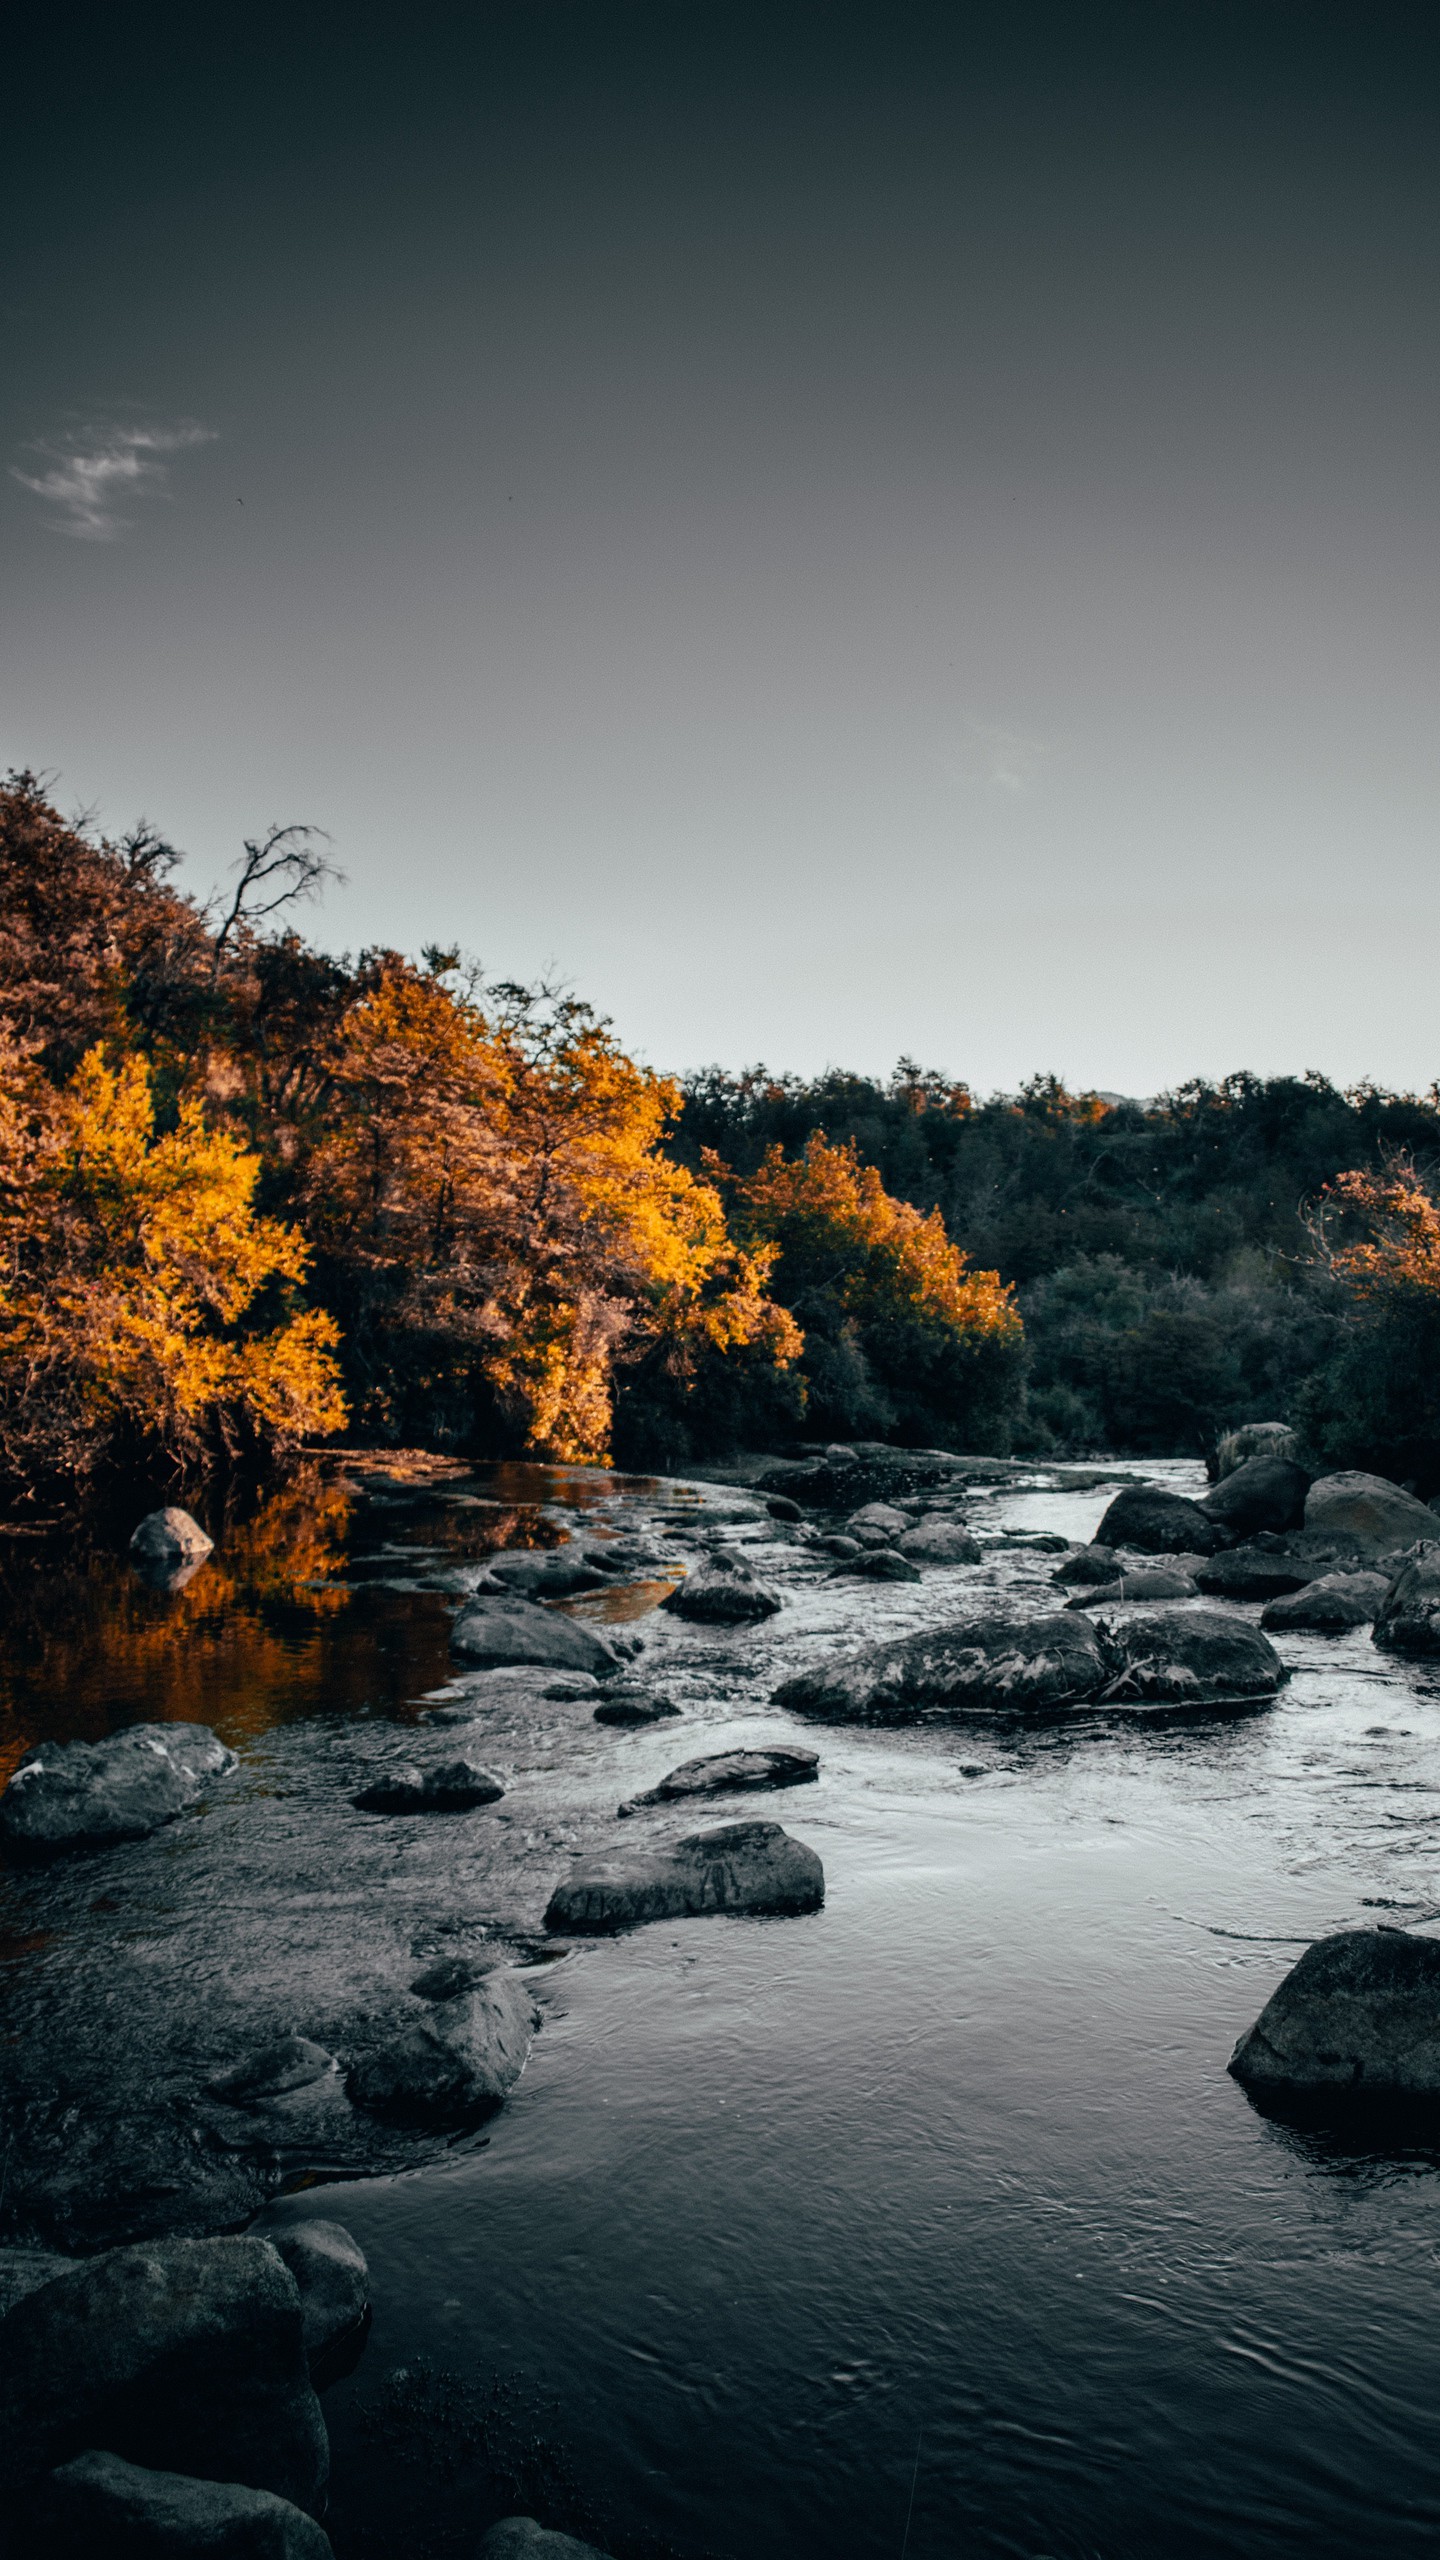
column 1149, row 1516
column 635, row 1706
column 332, row 2279
column 447, row 1786
column 984, row 1663
column 783, row 1764
column 89, row 1795
column 1147, row 1582
column 1328, row 1605
column 1263, row 1492
column 1376, row 1514
column 1359, row 2012
column 750, row 1867
column 1408, row 1618
column 179, row 2355
column 100, row 2505
column 880, row 1564
column 726, row 1592
column 449, row 2064
column 272, row 2071
column 507, row 1631
column 939, row 1542
column 521, row 2538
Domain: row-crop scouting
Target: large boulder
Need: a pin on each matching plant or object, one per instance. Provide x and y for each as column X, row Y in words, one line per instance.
column 1360, row 2012
column 726, row 1592
column 1408, row 1619
column 170, row 1537
column 984, row 1664
column 1377, row 1515
column 449, row 2062
column 1261, row 1493
column 1253, row 1440
column 521, row 2538
column 1330, row 1604
column 1159, row 1522
column 333, row 2280
column 1191, row 1658
column 1253, row 1573
column 179, row 2355
column 782, row 1764
column 744, row 1867
column 88, row 1795
column 939, row 1542
column 443, row 1786
column 99, row 2507
column 497, row 1632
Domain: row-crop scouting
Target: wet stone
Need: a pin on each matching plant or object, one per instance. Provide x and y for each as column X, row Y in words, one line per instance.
column 1359, row 2014
column 332, row 2279
column 76, row 1796
column 1147, row 1582
column 1330, row 1604
column 635, row 1706
column 502, row 1632
column 745, row 1867
column 880, row 1564
column 521, row 2538
column 723, row 1772
column 99, row 2504
column 726, row 1592
column 449, row 2065
column 447, row 1786
column 272, row 2071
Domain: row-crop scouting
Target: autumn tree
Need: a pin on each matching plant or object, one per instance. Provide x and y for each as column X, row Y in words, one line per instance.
column 1375, row 1235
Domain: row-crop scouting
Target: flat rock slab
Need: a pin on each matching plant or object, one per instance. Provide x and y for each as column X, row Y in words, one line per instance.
column 99, row 2504
column 726, row 1592
column 448, row 2063
column 446, row 1786
column 1359, row 2013
column 500, row 1632
column 1152, row 1518
column 75, row 1796
column 179, row 2355
column 982, row 1664
column 722, row 1772
column 1408, row 1619
column 752, row 1867
column 1330, row 1604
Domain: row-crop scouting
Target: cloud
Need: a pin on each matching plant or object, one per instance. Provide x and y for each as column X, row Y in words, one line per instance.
column 93, row 471
column 1003, row 759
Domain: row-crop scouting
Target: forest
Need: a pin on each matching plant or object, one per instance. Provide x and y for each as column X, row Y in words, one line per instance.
column 253, row 1196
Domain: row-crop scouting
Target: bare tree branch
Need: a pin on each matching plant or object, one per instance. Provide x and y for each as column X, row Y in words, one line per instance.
column 283, row 868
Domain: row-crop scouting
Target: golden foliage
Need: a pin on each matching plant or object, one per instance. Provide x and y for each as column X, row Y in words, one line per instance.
column 1398, row 1250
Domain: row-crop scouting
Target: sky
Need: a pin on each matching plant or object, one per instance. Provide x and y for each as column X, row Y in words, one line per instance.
column 837, row 532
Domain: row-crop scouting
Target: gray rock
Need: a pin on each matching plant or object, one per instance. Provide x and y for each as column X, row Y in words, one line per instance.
column 89, row 1795
column 1328, row 1605
column 545, row 1574
column 726, row 1592
column 521, row 2538
column 722, row 1772
column 579, row 1685
column 1408, row 1619
column 1359, row 2012
column 982, row 1665
column 876, row 1521
column 448, row 2065
column 1265, row 1492
column 1147, row 1582
column 1253, row 1573
column 752, row 1867
column 780, row 1507
column 24, row 2271
column 170, row 1537
column 880, row 1564
column 1150, row 1517
column 635, row 1706
column 1088, row 1564
column 1376, row 1514
column 1253, row 1440
column 837, row 1544
column 272, row 2070
column 446, row 1786
column 1191, row 1658
column 333, row 2281
column 939, row 1542
column 179, row 2355
column 515, row 1631
column 99, row 2507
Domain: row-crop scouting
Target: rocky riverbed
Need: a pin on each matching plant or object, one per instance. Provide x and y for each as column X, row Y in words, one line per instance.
column 1078, row 1917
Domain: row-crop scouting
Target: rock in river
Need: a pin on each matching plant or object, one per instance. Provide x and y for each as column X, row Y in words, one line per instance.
column 783, row 1764
column 1264, row 1492
column 521, row 2538
column 515, row 1631
column 1149, row 1516
column 1254, row 1573
column 879, row 1564
column 99, row 2505
column 179, row 2355
column 170, row 1537
column 1147, row 1582
column 1378, row 1515
column 333, row 2281
column 446, row 1786
column 1328, row 1605
column 88, row 1795
column 1088, row 1564
column 724, row 1593
column 939, row 1542
column 272, row 2070
column 447, row 2064
column 745, row 1867
column 1191, row 1658
column 635, row 1706
column 1408, row 1619
column 982, row 1663
column 1359, row 2012
column 537, row 1574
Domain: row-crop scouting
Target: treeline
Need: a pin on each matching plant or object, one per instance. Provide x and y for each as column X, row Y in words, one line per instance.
column 250, row 1194
column 1252, row 1249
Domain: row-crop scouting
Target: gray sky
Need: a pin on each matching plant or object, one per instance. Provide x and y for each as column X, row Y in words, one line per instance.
column 837, row 533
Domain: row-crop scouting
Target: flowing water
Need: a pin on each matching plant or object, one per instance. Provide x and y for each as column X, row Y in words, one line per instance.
column 931, row 2224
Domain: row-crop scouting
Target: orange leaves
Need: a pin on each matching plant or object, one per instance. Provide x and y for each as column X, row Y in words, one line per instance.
column 1398, row 1250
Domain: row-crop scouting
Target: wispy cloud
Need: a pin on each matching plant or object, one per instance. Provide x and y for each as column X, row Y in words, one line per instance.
column 1003, row 759
column 93, row 472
